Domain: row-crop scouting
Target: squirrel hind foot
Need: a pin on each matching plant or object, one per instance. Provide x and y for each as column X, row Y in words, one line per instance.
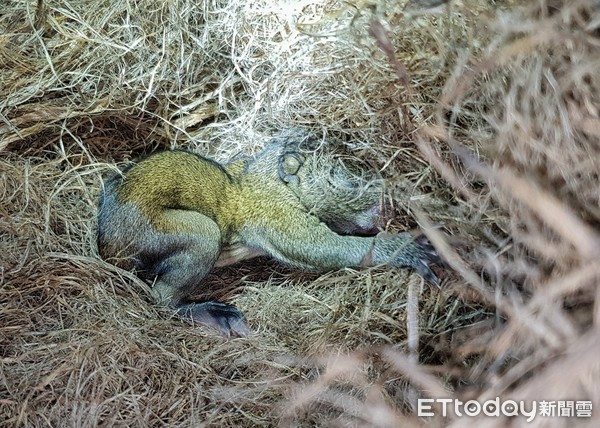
column 225, row 319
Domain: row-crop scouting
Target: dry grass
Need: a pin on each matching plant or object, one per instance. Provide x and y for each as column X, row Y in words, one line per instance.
column 483, row 119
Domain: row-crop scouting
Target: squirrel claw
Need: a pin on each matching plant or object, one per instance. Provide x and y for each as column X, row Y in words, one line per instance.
column 429, row 256
column 425, row 271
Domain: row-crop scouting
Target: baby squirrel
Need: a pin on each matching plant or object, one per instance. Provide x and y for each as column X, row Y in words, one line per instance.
column 175, row 215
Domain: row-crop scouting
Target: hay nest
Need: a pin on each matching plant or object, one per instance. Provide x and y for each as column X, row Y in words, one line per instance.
column 482, row 118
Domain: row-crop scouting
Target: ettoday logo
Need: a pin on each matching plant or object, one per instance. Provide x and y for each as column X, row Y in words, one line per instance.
column 496, row 408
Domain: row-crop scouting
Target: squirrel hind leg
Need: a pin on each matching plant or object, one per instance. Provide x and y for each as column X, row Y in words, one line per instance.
column 182, row 278
column 224, row 318
column 181, row 257
column 195, row 241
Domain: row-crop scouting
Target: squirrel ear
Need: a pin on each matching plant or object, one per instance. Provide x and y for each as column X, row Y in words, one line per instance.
column 288, row 167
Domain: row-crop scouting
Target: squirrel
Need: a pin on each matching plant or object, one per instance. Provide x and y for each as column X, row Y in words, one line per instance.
column 175, row 215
